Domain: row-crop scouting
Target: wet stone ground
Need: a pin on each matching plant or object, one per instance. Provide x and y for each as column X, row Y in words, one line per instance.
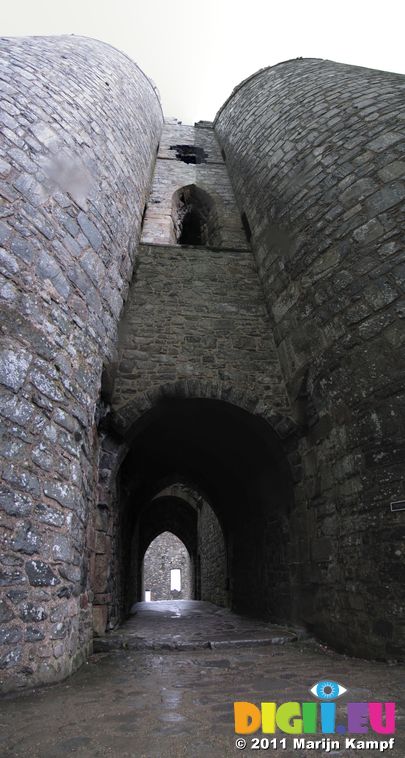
column 190, row 624
column 174, row 703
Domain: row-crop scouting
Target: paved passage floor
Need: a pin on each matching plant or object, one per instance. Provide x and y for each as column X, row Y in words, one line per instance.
column 173, row 703
column 190, row 624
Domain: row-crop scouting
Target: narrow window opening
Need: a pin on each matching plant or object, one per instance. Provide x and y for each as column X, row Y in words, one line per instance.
column 175, row 580
column 223, row 154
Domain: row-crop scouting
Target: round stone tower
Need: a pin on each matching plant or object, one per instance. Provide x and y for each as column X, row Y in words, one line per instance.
column 80, row 127
column 315, row 151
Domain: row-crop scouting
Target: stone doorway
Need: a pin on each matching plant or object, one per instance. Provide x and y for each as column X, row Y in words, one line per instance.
column 217, row 478
column 195, row 217
column 166, row 570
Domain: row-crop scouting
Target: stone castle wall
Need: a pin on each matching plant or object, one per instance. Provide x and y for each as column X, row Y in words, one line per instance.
column 213, row 564
column 211, row 176
column 165, row 553
column 307, row 325
column 77, row 149
column 196, row 314
column 315, row 151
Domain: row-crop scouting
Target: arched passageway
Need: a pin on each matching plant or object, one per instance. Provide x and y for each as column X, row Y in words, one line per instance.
column 195, row 217
column 217, row 477
column 187, row 515
column 166, row 570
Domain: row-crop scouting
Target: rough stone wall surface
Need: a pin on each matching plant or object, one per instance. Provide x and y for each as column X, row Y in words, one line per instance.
column 197, row 314
column 172, row 174
column 212, row 557
column 79, row 128
column 165, row 553
column 315, row 151
column 106, row 570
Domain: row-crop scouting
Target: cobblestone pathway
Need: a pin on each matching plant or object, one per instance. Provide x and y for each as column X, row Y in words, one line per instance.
column 177, row 703
column 190, row 624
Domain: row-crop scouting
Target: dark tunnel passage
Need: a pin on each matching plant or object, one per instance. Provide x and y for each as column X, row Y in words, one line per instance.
column 190, row 457
column 195, row 217
column 192, row 229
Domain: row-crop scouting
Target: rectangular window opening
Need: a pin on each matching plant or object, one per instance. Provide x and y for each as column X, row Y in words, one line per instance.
column 175, row 579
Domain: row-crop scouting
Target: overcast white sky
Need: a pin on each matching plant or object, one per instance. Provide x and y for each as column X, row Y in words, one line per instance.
column 196, row 52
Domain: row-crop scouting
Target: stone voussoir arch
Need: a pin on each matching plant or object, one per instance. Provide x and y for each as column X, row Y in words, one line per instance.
column 125, row 419
column 166, row 523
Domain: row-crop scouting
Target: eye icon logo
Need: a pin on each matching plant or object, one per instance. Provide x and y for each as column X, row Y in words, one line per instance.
column 328, row 690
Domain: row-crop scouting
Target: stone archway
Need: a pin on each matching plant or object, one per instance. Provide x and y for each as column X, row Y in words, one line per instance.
column 179, row 508
column 240, row 464
column 195, row 217
column 166, row 570
column 158, row 515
